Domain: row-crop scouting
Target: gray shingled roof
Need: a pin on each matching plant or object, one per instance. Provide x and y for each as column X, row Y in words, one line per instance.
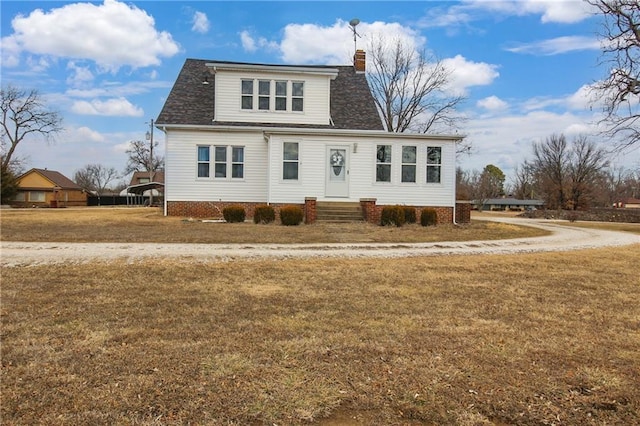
column 191, row 103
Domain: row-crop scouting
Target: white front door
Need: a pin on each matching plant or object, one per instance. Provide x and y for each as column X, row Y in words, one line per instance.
column 337, row 171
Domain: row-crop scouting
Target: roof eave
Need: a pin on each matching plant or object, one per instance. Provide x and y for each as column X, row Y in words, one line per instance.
column 308, row 131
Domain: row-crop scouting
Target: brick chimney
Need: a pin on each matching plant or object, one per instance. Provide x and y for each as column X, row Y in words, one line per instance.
column 359, row 61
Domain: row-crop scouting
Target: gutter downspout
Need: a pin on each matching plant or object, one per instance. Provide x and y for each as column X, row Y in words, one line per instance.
column 267, row 138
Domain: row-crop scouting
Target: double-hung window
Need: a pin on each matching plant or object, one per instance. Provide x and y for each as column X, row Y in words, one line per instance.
column 237, row 162
column 409, row 163
column 297, row 96
column 247, row 94
column 434, row 164
column 264, row 94
column 203, row 161
column 383, row 163
column 225, row 158
column 220, row 162
column 290, row 160
column 281, row 95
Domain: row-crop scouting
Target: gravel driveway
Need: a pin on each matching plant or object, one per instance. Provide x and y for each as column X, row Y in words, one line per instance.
column 563, row 238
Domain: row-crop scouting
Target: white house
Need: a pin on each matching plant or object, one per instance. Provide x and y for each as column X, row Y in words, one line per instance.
column 254, row 134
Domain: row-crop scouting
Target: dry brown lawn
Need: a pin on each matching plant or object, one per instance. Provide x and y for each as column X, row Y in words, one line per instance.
column 148, row 225
column 528, row 339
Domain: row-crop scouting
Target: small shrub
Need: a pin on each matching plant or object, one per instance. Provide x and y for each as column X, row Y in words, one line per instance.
column 428, row 217
column 392, row 215
column 572, row 216
column 291, row 215
column 264, row 214
column 409, row 214
column 233, row 214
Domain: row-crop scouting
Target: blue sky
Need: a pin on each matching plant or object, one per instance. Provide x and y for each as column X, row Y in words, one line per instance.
column 523, row 65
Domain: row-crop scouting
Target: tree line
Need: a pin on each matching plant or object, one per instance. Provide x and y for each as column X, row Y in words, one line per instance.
column 566, row 174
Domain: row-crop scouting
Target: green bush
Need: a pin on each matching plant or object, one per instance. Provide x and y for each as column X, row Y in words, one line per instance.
column 264, row 214
column 392, row 215
column 233, row 214
column 409, row 214
column 291, row 215
column 428, row 217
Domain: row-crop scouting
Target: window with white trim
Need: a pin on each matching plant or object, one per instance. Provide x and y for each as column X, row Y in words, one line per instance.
column 264, row 94
column 220, row 161
column 383, row 163
column 203, row 161
column 247, row 94
column 281, row 95
column 237, row 162
column 290, row 160
column 434, row 164
column 297, row 96
column 409, row 156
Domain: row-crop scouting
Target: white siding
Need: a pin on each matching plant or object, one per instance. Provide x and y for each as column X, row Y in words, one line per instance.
column 182, row 183
column 362, row 176
column 228, row 98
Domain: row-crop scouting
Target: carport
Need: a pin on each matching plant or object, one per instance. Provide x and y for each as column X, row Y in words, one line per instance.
column 152, row 189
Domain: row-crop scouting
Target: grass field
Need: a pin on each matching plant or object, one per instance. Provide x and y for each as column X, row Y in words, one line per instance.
column 529, row 339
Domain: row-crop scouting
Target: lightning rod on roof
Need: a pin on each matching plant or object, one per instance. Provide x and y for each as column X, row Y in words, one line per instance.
column 353, row 23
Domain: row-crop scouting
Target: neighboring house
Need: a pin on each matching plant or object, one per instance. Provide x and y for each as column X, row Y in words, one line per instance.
column 629, row 203
column 252, row 134
column 507, row 204
column 48, row 188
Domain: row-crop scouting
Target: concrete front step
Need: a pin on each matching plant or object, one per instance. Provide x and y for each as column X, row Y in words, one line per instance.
column 338, row 212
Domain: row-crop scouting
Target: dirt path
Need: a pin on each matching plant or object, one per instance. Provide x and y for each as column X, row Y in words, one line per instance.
column 563, row 238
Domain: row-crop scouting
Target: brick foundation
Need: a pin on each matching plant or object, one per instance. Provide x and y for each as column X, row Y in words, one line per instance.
column 213, row 209
column 373, row 212
column 463, row 211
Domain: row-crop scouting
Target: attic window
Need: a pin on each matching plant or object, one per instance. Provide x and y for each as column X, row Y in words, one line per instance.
column 297, row 96
column 247, row 94
column 272, row 95
column 264, row 90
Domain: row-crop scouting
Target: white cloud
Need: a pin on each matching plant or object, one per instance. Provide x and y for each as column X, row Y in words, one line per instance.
column 111, row 34
column 248, row 43
column 310, row 43
column 110, row 107
column 200, row 23
column 557, row 46
column 465, row 73
column 492, row 103
column 463, row 14
column 79, row 75
column 86, row 134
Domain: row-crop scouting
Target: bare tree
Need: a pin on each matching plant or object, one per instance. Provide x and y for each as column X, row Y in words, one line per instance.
column 95, row 177
column 140, row 159
column 24, row 113
column 550, row 163
column 620, row 90
column 523, row 182
column 586, row 165
column 410, row 89
column 566, row 175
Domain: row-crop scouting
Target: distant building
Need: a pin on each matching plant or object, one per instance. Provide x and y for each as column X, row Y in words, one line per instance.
column 629, row 203
column 48, row 188
column 510, row 203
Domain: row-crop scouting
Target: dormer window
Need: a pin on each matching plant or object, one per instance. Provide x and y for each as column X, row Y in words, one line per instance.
column 273, row 95
column 297, row 98
column 264, row 90
column 247, row 94
column 281, row 95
